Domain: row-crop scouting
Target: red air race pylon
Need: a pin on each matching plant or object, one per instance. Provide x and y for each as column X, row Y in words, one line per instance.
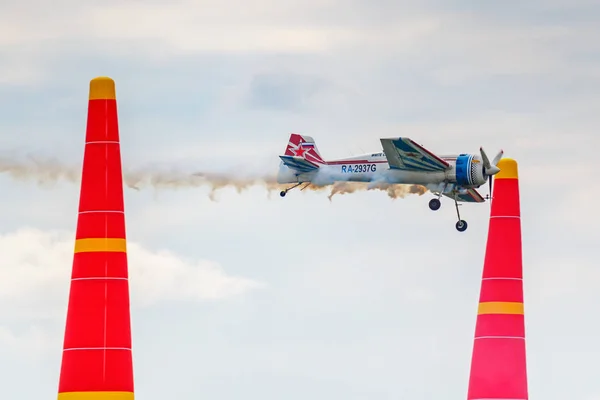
column 498, row 364
column 97, row 360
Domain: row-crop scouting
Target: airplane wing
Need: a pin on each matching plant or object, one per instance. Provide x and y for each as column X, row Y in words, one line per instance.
column 405, row 154
column 299, row 164
column 471, row 196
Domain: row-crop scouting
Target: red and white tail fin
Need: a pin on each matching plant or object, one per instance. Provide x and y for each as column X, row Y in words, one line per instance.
column 305, row 147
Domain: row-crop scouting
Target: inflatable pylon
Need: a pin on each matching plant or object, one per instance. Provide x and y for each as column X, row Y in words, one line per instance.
column 498, row 364
column 97, row 359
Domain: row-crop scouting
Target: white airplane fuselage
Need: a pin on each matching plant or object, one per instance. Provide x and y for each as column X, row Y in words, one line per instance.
column 402, row 161
column 374, row 167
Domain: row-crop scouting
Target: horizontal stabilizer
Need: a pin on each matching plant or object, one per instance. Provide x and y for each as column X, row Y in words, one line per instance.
column 299, row 164
column 405, row 154
column 470, row 196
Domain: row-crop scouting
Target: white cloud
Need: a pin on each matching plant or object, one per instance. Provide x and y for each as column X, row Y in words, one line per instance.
column 465, row 45
column 482, row 48
column 32, row 342
column 20, row 69
column 35, row 275
column 163, row 276
column 161, row 31
column 224, row 26
column 559, row 277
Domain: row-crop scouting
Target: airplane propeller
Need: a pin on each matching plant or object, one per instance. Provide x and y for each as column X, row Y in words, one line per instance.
column 490, row 169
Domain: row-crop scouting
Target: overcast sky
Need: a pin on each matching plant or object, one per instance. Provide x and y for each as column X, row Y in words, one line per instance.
column 246, row 296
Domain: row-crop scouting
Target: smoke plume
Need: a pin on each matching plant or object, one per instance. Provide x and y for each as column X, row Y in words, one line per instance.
column 47, row 172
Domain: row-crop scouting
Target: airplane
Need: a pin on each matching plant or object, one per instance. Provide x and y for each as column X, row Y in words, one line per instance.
column 402, row 161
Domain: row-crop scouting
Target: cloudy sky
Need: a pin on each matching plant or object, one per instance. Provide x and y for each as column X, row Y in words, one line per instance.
column 259, row 297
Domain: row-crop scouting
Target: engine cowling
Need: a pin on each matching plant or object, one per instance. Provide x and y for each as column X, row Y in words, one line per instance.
column 469, row 170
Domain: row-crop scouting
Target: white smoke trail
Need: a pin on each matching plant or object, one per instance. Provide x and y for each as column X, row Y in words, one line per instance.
column 46, row 172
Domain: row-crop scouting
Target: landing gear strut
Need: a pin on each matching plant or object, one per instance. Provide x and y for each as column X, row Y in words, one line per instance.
column 461, row 225
column 435, row 204
column 284, row 192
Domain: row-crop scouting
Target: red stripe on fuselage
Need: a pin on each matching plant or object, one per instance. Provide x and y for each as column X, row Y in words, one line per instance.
column 354, row 162
column 340, row 162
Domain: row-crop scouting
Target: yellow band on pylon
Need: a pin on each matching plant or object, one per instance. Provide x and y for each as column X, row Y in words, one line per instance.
column 96, row 396
column 102, row 88
column 498, row 307
column 508, row 169
column 100, row 245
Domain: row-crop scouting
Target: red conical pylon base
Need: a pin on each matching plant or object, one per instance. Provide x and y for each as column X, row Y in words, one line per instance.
column 97, row 359
column 498, row 365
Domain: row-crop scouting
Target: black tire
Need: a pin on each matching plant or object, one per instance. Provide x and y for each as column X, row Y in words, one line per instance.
column 461, row 226
column 435, row 204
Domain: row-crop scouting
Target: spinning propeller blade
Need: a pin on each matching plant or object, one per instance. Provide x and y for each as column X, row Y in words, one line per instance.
column 490, row 169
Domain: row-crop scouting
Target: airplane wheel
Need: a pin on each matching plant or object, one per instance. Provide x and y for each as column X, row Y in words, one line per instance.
column 282, row 193
column 435, row 204
column 461, row 226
